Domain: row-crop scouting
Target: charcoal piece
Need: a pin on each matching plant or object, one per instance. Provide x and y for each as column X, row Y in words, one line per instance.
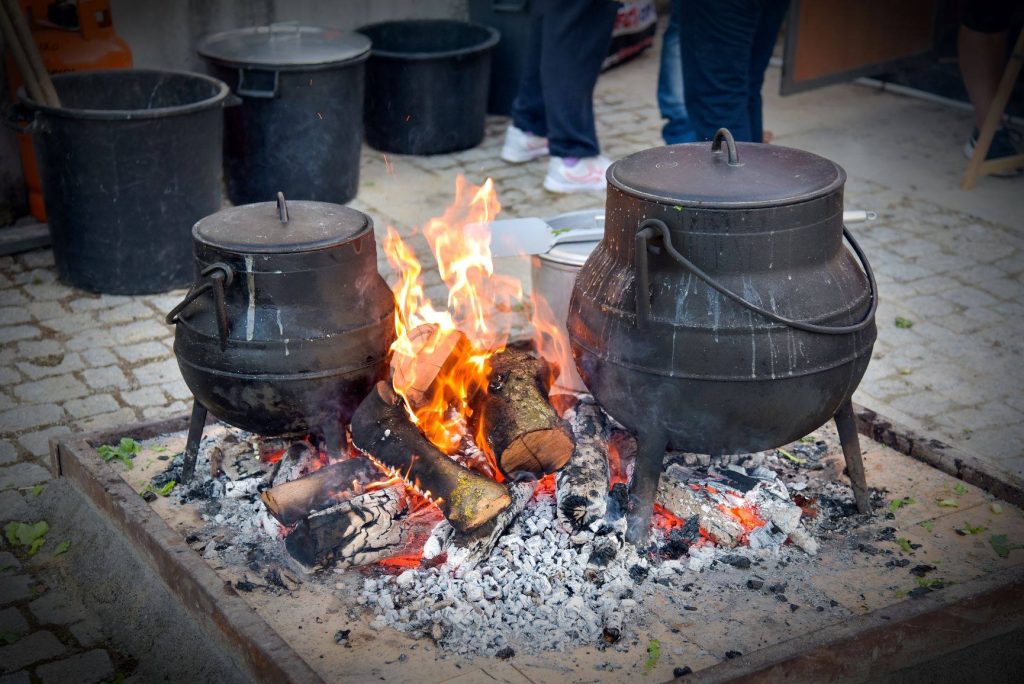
column 273, row 578
column 732, row 654
column 611, row 634
column 793, row 607
column 921, row 570
column 781, row 598
column 778, row 588
column 868, row 549
column 738, row 481
column 148, row 496
column 505, row 653
column 244, row 585
column 887, row 534
column 618, row 500
column 681, row 671
column 737, row 561
column 755, row 583
column 898, row 563
column 919, row 592
column 638, row 573
column 341, row 636
column 604, row 551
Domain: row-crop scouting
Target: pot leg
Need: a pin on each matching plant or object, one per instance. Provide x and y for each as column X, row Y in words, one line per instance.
column 334, row 439
column 846, row 425
column 643, row 486
column 195, row 435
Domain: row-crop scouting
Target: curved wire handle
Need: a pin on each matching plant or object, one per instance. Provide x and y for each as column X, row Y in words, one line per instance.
column 654, row 227
column 218, row 276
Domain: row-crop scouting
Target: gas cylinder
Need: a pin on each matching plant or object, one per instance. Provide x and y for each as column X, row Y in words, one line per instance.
column 71, row 36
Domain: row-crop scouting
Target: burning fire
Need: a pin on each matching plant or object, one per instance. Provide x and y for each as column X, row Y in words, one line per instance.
column 460, row 242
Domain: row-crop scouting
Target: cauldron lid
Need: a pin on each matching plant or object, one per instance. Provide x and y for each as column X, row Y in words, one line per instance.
column 692, row 175
column 283, row 46
column 263, row 228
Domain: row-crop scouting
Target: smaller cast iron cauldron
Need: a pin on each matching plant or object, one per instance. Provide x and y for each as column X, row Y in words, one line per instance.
column 289, row 325
column 721, row 313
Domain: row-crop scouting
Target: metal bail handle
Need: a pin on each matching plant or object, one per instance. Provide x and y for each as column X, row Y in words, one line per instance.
column 655, row 227
column 730, row 144
column 282, row 208
column 217, row 276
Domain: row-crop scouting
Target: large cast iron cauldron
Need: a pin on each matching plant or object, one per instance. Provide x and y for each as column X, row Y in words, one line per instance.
column 721, row 312
column 289, row 325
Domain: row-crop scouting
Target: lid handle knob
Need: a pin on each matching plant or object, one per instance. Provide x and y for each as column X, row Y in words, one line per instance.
column 282, row 207
column 730, row 143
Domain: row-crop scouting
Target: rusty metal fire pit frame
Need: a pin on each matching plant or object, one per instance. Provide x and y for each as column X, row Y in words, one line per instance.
column 905, row 634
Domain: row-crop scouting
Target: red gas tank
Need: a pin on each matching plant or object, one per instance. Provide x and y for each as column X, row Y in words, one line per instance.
column 71, row 37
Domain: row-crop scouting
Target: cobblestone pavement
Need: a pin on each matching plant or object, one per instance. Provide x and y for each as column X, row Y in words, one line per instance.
column 949, row 262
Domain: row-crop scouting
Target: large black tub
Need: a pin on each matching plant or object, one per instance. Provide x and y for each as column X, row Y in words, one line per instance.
column 427, row 85
column 299, row 128
column 128, row 164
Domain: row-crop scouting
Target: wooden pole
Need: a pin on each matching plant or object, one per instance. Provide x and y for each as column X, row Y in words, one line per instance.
column 35, row 60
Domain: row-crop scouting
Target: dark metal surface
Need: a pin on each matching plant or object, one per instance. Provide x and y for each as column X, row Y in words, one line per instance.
column 284, row 46
column 668, row 328
column 308, row 326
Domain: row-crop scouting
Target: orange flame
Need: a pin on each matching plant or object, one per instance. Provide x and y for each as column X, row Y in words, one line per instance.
column 460, row 242
column 549, row 337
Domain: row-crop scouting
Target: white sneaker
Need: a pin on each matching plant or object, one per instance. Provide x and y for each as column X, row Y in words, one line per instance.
column 521, row 146
column 577, row 175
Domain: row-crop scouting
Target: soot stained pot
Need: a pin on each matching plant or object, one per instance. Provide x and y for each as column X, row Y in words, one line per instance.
column 289, row 325
column 721, row 313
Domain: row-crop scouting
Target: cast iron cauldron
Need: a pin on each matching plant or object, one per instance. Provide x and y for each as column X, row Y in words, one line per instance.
column 721, row 313
column 289, row 325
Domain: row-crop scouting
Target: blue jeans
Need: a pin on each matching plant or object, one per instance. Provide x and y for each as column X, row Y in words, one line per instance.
column 725, row 47
column 671, row 102
column 568, row 42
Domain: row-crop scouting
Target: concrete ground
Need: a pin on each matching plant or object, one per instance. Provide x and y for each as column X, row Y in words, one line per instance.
column 951, row 262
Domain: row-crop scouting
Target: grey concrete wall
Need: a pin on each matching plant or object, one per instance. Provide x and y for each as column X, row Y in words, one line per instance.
column 163, row 33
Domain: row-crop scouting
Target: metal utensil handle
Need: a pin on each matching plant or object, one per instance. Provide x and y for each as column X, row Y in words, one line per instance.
column 730, row 144
column 217, row 277
column 654, row 227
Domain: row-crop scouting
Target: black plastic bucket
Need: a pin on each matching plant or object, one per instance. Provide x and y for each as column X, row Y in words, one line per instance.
column 128, row 164
column 427, row 85
column 512, row 20
column 299, row 129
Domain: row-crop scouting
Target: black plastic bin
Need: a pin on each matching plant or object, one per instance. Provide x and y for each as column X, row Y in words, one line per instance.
column 299, row 128
column 128, row 164
column 513, row 21
column 427, row 85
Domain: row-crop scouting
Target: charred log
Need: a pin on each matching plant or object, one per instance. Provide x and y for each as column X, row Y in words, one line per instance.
column 684, row 501
column 522, row 429
column 381, row 429
column 292, row 501
column 581, row 487
column 365, row 529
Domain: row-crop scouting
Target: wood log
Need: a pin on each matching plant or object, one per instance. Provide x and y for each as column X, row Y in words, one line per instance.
column 364, row 529
column 292, row 501
column 521, row 428
column 433, row 354
column 474, row 547
column 684, row 502
column 381, row 429
column 581, row 487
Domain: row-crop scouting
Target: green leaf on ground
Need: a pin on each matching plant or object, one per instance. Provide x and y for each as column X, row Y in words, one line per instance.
column 947, row 503
column 995, row 508
column 897, row 504
column 932, row 582
column 36, row 490
column 791, row 457
column 124, row 452
column 653, row 655
column 928, row 525
column 1002, row 545
column 9, row 636
column 904, row 544
column 904, row 322
column 62, row 547
column 960, row 489
column 807, row 439
column 25, row 534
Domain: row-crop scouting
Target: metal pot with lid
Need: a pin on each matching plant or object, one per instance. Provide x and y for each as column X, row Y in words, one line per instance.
column 721, row 312
column 289, row 324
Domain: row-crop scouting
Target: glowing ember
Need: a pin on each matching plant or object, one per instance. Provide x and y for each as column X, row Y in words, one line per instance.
column 460, row 242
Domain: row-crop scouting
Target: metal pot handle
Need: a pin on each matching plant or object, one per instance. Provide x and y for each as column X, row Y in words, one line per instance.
column 730, row 144
column 216, row 277
column 655, row 227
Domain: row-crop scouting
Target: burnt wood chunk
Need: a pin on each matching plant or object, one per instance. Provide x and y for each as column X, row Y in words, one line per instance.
column 365, row 529
column 431, row 354
column 581, row 487
column 381, row 429
column 522, row 429
column 292, row 501
column 683, row 501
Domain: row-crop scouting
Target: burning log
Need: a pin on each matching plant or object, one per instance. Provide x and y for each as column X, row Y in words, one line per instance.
column 381, row 429
column 431, row 354
column 292, row 501
column 474, row 547
column 684, row 501
column 581, row 487
column 364, row 529
column 521, row 428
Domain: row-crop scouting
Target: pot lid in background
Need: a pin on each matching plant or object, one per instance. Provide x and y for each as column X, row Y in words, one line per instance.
column 691, row 175
column 567, row 251
column 258, row 228
column 284, row 46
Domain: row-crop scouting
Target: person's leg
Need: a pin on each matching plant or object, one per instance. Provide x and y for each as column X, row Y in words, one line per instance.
column 981, row 46
column 528, row 108
column 576, row 35
column 715, row 41
column 670, row 85
column 772, row 14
